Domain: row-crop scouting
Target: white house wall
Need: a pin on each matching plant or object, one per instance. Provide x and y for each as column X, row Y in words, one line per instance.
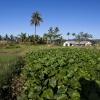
column 74, row 43
column 66, row 43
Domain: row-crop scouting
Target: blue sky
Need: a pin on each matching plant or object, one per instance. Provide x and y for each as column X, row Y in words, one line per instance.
column 69, row 15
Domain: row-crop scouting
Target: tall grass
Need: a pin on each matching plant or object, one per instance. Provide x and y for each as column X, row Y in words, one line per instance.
column 10, row 65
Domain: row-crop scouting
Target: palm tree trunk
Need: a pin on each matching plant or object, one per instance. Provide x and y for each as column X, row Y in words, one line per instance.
column 35, row 35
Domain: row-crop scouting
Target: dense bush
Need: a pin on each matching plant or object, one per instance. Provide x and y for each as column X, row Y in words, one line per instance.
column 61, row 74
column 10, row 65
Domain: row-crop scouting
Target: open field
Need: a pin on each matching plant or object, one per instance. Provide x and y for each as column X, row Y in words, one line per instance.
column 25, row 49
column 11, row 60
column 29, row 48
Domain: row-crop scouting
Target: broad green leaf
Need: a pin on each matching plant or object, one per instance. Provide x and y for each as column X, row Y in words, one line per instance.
column 61, row 62
column 60, row 97
column 52, row 82
column 38, row 88
column 62, row 90
column 48, row 94
column 62, row 72
column 71, row 61
column 75, row 95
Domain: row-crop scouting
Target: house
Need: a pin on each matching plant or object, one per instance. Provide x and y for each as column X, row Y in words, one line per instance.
column 75, row 43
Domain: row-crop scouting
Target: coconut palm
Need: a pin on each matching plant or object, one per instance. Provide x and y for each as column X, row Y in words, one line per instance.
column 36, row 19
column 55, row 35
column 50, row 30
column 50, row 34
column 45, row 37
column 6, row 37
column 68, row 35
column 56, row 30
column 11, row 37
column 73, row 34
column 23, row 37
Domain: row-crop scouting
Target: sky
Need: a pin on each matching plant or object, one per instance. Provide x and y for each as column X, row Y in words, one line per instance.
column 68, row 15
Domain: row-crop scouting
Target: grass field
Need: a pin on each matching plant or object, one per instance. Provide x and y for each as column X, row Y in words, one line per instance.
column 25, row 49
column 29, row 48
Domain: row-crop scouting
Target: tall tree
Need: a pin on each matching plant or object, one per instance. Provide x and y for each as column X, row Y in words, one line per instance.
column 11, row 37
column 83, row 36
column 0, row 37
column 50, row 34
column 78, row 38
column 73, row 34
column 23, row 37
column 56, row 30
column 68, row 35
column 45, row 38
column 6, row 37
column 36, row 19
column 86, row 36
column 55, row 33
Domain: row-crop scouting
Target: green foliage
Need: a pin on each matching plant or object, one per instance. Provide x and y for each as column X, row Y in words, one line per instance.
column 10, row 65
column 61, row 74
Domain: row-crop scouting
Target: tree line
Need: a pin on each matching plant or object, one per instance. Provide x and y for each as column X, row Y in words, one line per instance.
column 51, row 37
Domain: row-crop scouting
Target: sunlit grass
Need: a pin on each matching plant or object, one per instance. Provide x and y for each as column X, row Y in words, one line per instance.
column 25, row 49
column 29, row 48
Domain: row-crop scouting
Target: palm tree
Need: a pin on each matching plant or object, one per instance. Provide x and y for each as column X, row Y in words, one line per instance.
column 56, row 30
column 73, row 34
column 36, row 19
column 55, row 35
column 0, row 37
column 37, row 37
column 68, row 35
column 50, row 30
column 23, row 37
column 50, row 34
column 45, row 37
column 6, row 37
column 11, row 38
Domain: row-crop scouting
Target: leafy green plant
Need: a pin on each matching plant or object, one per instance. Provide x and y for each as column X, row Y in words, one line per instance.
column 61, row 74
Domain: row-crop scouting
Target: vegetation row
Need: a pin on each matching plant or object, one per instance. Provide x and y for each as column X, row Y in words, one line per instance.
column 60, row 74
